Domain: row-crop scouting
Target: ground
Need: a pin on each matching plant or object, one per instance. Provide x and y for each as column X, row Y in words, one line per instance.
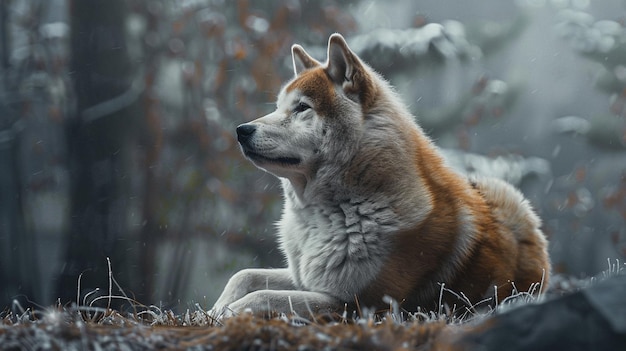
column 586, row 316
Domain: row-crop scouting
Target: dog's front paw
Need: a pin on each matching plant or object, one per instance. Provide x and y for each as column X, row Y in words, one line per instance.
column 220, row 313
column 223, row 306
column 255, row 302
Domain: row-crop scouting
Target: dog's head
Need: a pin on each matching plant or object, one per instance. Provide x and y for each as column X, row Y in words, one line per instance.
column 318, row 118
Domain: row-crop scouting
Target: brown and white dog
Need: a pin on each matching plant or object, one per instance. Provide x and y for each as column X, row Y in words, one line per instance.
column 371, row 209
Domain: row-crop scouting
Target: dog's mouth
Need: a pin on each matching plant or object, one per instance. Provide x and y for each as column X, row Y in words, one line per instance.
column 258, row 158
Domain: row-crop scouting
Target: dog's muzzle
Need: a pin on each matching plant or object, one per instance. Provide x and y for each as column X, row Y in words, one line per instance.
column 245, row 133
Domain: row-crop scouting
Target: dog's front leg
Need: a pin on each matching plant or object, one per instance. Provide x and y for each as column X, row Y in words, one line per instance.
column 250, row 280
column 302, row 303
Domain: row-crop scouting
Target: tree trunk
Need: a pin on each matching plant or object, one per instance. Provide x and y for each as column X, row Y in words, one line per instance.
column 98, row 152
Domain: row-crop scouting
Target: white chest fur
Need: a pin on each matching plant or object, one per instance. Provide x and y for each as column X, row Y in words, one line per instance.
column 336, row 249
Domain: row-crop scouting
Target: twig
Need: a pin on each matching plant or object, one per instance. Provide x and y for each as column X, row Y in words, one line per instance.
column 110, row 283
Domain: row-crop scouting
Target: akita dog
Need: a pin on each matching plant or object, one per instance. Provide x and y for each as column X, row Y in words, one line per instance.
column 370, row 207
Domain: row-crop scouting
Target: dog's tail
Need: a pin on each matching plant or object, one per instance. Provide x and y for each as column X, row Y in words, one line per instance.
column 517, row 217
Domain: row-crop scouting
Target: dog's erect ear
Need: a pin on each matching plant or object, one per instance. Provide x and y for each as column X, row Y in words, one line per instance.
column 342, row 62
column 301, row 60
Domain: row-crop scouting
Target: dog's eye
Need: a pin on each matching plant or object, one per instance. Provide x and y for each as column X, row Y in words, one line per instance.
column 301, row 107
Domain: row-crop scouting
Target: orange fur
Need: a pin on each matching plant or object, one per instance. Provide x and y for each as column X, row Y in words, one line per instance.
column 497, row 260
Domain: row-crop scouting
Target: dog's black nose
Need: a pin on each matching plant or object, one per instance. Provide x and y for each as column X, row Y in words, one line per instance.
column 245, row 131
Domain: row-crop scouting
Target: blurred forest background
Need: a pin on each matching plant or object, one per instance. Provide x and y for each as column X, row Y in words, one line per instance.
column 117, row 122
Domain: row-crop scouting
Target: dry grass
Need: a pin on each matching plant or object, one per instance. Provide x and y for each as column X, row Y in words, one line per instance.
column 66, row 331
column 91, row 324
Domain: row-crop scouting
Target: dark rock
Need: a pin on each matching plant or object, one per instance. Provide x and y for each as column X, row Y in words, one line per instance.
column 590, row 319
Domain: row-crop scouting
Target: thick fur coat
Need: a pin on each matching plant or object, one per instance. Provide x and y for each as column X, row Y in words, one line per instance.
column 370, row 207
